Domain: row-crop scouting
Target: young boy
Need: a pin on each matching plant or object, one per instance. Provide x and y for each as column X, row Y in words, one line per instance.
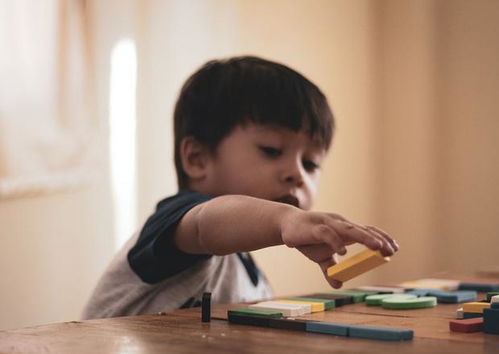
column 250, row 136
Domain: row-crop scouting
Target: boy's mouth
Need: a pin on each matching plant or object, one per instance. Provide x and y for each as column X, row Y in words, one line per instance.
column 289, row 199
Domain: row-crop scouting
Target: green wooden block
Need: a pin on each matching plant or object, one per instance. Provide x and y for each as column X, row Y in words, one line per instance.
column 399, row 303
column 357, row 295
column 490, row 294
column 251, row 312
column 376, row 300
column 328, row 304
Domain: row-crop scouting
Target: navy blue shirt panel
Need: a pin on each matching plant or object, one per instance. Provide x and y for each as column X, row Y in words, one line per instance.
column 155, row 256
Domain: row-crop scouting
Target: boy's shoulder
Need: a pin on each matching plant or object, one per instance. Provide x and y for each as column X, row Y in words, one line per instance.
column 183, row 197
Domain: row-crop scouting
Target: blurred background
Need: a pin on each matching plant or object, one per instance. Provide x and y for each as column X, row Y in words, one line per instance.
column 87, row 89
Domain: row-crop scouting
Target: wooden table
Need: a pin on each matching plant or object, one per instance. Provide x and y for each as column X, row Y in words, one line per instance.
column 183, row 332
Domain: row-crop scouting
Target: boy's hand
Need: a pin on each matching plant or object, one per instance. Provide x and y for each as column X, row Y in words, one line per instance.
column 320, row 236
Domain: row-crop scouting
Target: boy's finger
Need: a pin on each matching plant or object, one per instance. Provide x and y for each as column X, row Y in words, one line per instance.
column 389, row 246
column 330, row 237
column 392, row 242
column 324, row 266
column 350, row 232
column 386, row 249
column 337, row 216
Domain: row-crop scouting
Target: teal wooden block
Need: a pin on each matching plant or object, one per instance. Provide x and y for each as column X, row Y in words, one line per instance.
column 380, row 333
column 337, row 329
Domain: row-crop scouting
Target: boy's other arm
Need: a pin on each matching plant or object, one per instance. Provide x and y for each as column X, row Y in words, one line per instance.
column 236, row 223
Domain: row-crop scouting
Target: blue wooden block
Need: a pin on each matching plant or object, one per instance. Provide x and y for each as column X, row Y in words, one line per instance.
column 494, row 305
column 380, row 333
column 491, row 321
column 419, row 292
column 467, row 315
column 337, row 329
column 446, row 296
column 454, row 296
column 481, row 287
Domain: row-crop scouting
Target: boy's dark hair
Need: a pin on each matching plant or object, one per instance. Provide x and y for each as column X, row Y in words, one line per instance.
column 225, row 93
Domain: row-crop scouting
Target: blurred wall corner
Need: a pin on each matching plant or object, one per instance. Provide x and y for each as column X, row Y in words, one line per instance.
column 55, row 205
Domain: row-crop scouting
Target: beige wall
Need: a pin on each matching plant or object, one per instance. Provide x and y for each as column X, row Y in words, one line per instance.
column 413, row 84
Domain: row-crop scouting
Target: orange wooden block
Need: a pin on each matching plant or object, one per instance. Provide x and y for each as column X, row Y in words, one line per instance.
column 356, row 265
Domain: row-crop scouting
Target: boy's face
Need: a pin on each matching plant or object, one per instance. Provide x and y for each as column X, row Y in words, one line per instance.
column 267, row 162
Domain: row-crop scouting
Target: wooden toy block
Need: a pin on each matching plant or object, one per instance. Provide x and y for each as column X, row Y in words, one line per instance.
column 357, row 295
column 432, row 283
column 315, row 306
column 337, row 329
column 383, row 289
column 339, row 300
column 380, row 333
column 491, row 321
column 466, row 326
column 491, row 294
column 328, row 304
column 288, row 323
column 251, row 312
column 401, row 303
column 376, row 300
column 456, row 296
column 476, row 307
column 419, row 292
column 356, row 265
column 481, row 287
column 494, row 305
column 493, row 299
column 467, row 315
column 287, row 309
column 248, row 320
column 206, row 308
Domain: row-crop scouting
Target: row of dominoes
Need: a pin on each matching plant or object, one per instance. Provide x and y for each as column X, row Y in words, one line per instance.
column 478, row 316
column 279, row 314
column 387, row 297
column 275, row 319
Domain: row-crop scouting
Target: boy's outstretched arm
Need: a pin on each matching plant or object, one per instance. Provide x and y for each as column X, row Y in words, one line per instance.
column 236, row 223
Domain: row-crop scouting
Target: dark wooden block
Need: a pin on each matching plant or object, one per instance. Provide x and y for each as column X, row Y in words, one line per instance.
column 296, row 325
column 249, row 320
column 339, row 300
column 491, row 321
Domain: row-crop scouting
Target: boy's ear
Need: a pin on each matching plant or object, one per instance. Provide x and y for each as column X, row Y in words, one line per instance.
column 194, row 156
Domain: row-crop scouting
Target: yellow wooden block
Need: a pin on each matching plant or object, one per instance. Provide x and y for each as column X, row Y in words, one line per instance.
column 431, row 283
column 356, row 265
column 476, row 307
column 316, row 306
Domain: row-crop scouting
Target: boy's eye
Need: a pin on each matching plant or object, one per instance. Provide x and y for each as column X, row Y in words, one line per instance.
column 310, row 165
column 270, row 151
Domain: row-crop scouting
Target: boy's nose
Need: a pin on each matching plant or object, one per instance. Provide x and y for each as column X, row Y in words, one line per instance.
column 293, row 176
column 293, row 180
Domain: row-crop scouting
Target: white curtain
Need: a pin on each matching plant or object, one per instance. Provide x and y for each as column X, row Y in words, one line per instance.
column 47, row 119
